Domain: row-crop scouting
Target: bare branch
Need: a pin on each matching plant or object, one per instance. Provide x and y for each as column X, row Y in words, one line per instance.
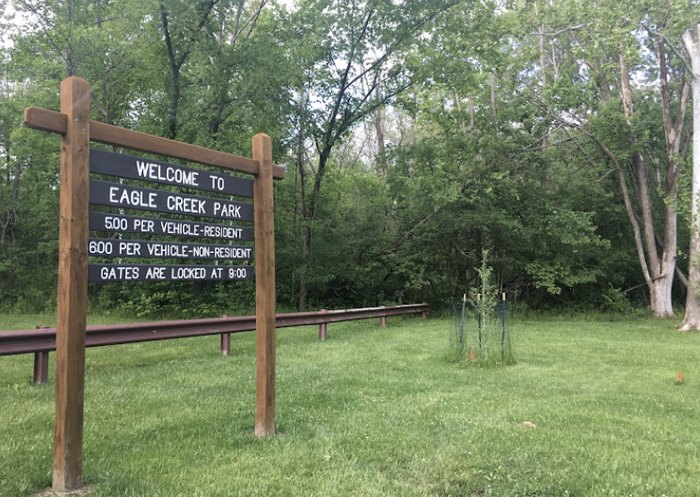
column 658, row 34
column 249, row 24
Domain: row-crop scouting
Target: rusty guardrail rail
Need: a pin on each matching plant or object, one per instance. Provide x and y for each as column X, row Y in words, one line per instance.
column 41, row 341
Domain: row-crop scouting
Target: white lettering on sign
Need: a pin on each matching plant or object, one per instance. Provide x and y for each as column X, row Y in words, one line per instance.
column 117, row 273
column 155, row 273
column 217, row 182
column 157, row 172
column 167, row 250
column 116, row 223
column 100, row 247
column 132, row 198
column 237, row 273
column 201, row 252
column 144, row 225
column 186, row 205
column 188, row 273
column 232, row 252
column 175, row 228
column 222, row 232
column 129, row 248
column 227, row 210
column 216, row 273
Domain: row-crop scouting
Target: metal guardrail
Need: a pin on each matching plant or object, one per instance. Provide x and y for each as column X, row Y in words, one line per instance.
column 41, row 341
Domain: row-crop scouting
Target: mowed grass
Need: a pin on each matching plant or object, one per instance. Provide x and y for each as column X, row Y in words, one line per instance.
column 376, row 412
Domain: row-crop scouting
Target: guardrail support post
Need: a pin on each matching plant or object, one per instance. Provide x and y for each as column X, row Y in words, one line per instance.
column 382, row 321
column 226, row 344
column 41, row 367
column 322, row 329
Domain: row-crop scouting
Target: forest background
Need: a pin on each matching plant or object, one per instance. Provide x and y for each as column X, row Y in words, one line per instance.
column 551, row 137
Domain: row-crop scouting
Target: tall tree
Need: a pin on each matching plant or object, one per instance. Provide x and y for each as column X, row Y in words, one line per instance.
column 87, row 37
column 636, row 44
column 691, row 321
column 179, row 44
column 348, row 51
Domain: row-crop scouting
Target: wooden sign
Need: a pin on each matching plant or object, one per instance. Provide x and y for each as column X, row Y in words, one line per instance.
column 127, row 166
column 77, row 191
column 134, row 197
column 167, row 272
column 119, row 194
column 111, row 247
column 121, row 223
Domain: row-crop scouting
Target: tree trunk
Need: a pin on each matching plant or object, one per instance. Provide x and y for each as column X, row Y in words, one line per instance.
column 306, row 257
column 661, row 302
column 691, row 38
column 543, row 81
column 306, row 229
column 69, row 57
column 492, row 84
column 308, row 215
column 171, row 127
column 673, row 131
column 378, row 121
column 177, row 59
column 658, row 268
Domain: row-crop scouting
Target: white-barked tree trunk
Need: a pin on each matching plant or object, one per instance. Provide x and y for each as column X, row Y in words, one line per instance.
column 691, row 39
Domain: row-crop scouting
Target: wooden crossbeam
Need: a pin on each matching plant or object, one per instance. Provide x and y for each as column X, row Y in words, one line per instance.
column 55, row 122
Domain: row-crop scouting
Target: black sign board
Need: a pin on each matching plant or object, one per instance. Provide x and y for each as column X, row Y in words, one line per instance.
column 126, row 166
column 167, row 272
column 105, row 221
column 110, row 247
column 133, row 197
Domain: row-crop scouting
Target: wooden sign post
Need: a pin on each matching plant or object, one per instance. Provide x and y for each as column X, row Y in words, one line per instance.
column 264, row 289
column 78, row 191
column 72, row 286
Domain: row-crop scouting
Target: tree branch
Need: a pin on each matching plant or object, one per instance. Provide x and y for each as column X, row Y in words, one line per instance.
column 562, row 30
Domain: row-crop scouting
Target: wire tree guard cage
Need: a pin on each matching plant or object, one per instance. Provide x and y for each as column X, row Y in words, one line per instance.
column 481, row 333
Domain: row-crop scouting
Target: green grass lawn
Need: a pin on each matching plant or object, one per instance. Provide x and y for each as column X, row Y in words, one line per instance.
column 376, row 412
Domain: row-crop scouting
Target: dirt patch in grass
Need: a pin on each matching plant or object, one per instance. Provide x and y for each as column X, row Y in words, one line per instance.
column 73, row 493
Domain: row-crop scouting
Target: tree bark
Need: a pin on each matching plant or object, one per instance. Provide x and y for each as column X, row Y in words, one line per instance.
column 69, row 56
column 306, row 229
column 691, row 39
column 543, row 81
column 306, row 258
column 171, row 128
column 673, row 131
column 378, row 121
